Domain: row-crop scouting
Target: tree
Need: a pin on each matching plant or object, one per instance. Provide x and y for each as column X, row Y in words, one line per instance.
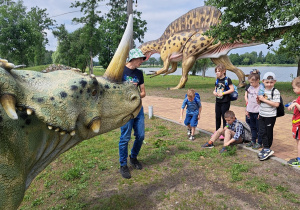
column 251, row 20
column 113, row 26
column 22, row 37
column 90, row 33
column 200, row 65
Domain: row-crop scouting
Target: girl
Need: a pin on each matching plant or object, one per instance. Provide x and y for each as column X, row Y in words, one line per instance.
column 222, row 91
column 252, row 110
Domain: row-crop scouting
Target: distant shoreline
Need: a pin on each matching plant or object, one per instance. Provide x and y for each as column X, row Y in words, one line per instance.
column 253, row 65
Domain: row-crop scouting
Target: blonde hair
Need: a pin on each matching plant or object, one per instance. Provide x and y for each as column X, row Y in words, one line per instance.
column 191, row 93
column 229, row 114
column 296, row 81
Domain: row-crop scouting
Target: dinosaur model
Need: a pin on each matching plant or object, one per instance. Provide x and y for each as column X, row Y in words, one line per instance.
column 183, row 40
column 43, row 115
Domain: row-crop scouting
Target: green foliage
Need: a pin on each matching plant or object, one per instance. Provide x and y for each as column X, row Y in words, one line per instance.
column 73, row 173
column 236, row 170
column 23, row 37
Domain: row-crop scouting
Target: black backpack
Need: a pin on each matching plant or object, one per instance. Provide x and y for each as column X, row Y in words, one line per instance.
column 280, row 108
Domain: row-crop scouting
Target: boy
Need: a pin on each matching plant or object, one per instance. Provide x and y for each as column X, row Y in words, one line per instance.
column 193, row 111
column 296, row 120
column 267, row 114
column 232, row 132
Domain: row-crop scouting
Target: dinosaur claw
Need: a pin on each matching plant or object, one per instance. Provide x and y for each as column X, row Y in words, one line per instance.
column 62, row 133
column 95, row 126
column 50, row 127
column 8, row 103
column 56, row 130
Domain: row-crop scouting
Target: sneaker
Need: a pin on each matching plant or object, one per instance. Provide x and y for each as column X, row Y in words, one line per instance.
column 257, row 146
column 224, row 149
column 250, row 144
column 294, row 162
column 192, row 138
column 135, row 163
column 260, row 154
column 221, row 137
column 189, row 132
column 124, row 170
column 207, row 145
column 266, row 154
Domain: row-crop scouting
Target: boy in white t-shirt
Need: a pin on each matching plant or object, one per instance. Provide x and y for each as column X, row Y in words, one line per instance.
column 267, row 114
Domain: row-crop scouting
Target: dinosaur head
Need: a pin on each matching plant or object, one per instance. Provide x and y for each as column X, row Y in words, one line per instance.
column 71, row 102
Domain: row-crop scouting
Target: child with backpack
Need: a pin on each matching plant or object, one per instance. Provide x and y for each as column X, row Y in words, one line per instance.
column 267, row 114
column 252, row 110
column 223, row 89
column 193, row 110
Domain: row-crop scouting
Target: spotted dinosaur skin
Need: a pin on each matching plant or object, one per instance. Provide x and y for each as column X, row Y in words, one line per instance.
column 43, row 115
column 183, row 40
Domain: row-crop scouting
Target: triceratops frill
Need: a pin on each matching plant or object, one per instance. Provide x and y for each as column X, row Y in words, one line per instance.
column 43, row 115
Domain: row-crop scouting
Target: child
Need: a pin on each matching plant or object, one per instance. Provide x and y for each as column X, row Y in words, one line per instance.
column 223, row 88
column 296, row 120
column 252, row 110
column 193, row 111
column 233, row 132
column 267, row 114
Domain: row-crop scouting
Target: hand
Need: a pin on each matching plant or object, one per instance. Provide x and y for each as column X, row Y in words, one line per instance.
column 198, row 116
column 180, row 119
column 247, row 114
column 292, row 106
column 261, row 98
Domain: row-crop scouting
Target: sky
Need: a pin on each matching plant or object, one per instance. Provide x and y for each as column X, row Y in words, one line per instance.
column 158, row 14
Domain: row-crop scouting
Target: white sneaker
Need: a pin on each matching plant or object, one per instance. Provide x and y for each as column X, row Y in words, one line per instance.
column 192, row 138
column 189, row 132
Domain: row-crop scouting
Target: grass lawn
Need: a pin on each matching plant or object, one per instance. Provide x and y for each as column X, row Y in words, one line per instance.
column 177, row 174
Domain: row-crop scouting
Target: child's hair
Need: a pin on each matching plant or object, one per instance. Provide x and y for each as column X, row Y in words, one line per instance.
column 191, row 93
column 229, row 114
column 296, row 81
column 255, row 76
column 221, row 67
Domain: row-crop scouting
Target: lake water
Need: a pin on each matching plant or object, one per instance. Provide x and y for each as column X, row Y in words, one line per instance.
column 283, row 74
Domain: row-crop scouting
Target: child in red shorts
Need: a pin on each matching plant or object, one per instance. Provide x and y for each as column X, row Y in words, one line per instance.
column 296, row 120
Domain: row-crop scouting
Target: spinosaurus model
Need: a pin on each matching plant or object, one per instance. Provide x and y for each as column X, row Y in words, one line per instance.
column 45, row 114
column 183, row 40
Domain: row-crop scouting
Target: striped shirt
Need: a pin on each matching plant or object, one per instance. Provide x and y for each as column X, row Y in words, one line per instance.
column 192, row 107
column 265, row 110
column 237, row 128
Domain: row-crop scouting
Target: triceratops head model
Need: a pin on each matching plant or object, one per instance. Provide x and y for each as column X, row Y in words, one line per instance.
column 43, row 115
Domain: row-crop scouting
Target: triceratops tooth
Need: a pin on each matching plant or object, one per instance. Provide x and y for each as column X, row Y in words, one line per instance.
column 50, row 127
column 62, row 133
column 72, row 133
column 29, row 111
column 8, row 103
column 95, row 126
column 56, row 130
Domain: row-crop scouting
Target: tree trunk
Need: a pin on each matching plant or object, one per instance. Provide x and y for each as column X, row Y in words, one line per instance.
column 91, row 66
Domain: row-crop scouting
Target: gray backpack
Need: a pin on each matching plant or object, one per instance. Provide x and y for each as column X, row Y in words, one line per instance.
column 247, row 136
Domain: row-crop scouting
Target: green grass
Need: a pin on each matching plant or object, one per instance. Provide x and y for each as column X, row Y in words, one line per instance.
column 177, row 174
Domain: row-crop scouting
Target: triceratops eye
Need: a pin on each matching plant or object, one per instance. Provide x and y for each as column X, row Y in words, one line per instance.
column 94, row 92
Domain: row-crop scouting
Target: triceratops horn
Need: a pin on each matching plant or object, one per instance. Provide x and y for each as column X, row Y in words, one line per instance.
column 115, row 69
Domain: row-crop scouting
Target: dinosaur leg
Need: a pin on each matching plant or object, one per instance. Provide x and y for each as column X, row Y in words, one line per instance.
column 164, row 69
column 224, row 59
column 187, row 64
column 173, row 69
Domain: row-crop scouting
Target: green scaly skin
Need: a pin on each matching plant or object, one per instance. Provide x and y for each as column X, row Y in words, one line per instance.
column 65, row 102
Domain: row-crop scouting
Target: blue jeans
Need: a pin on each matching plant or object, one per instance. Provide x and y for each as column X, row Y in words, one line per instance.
column 138, row 125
